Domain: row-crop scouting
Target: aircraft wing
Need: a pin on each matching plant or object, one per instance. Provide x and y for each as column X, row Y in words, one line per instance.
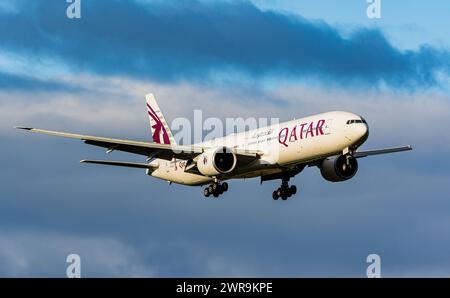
column 360, row 154
column 120, row 164
column 153, row 150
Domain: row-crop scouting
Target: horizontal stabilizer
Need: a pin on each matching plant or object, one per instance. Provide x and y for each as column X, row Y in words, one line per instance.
column 120, row 164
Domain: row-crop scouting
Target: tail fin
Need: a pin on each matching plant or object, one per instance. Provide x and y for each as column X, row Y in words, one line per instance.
column 160, row 130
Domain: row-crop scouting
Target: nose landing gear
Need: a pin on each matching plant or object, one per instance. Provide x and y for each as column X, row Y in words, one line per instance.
column 285, row 191
column 215, row 189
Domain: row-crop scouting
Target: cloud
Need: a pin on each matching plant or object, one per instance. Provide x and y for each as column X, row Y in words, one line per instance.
column 394, row 205
column 200, row 40
column 124, row 223
column 111, row 105
column 8, row 7
column 116, row 106
column 10, row 82
column 148, row 226
column 37, row 253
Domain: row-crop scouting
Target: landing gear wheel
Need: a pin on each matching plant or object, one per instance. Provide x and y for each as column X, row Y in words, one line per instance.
column 293, row 189
column 215, row 189
column 225, row 186
column 279, row 192
column 285, row 191
column 275, row 195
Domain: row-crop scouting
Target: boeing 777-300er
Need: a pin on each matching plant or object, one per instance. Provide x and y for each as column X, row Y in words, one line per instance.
column 329, row 141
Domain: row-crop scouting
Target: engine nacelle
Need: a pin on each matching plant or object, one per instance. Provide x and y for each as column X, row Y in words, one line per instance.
column 216, row 161
column 339, row 168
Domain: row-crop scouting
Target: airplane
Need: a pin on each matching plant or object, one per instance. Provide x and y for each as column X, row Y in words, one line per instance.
column 329, row 141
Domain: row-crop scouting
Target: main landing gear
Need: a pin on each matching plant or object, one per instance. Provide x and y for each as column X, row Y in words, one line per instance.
column 285, row 191
column 215, row 189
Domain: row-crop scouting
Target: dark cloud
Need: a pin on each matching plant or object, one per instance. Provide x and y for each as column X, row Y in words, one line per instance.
column 326, row 230
column 51, row 205
column 170, row 40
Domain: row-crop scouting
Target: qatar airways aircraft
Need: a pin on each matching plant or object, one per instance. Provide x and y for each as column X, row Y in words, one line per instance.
column 329, row 141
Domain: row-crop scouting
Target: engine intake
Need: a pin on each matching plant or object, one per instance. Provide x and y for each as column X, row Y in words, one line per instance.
column 339, row 168
column 216, row 161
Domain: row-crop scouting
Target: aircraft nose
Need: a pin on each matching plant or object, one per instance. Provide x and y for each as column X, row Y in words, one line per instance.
column 363, row 132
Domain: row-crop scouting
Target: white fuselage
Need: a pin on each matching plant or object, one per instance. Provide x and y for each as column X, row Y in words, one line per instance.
column 289, row 143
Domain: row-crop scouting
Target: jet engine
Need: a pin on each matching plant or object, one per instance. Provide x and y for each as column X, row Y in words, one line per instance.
column 339, row 168
column 216, row 161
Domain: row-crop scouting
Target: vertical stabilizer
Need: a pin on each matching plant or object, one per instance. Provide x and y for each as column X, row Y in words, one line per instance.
column 160, row 129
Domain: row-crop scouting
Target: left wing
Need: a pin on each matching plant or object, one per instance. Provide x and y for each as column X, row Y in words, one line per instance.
column 120, row 164
column 164, row 151
column 153, row 150
column 360, row 154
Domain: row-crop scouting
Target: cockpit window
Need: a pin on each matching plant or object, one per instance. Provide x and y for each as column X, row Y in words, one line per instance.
column 356, row 121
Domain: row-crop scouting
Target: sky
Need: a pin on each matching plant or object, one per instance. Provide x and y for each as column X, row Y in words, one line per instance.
column 284, row 59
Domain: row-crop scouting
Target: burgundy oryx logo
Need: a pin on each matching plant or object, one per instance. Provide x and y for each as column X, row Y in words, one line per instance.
column 158, row 127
